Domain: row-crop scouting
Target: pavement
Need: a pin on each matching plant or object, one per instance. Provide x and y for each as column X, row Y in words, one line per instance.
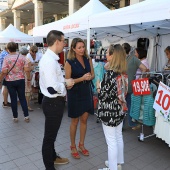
column 20, row 145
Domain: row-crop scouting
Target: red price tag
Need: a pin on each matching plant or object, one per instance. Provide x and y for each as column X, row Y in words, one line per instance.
column 141, row 87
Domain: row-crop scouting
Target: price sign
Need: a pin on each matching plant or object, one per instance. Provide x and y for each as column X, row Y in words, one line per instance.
column 162, row 101
column 141, row 86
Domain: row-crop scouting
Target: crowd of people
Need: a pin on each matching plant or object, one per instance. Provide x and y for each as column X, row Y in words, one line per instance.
column 16, row 74
column 114, row 92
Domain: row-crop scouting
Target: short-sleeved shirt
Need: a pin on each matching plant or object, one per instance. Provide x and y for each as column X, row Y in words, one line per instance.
column 133, row 64
column 37, row 59
column 144, row 62
column 17, row 71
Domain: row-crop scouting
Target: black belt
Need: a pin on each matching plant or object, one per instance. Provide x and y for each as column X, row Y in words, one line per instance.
column 55, row 98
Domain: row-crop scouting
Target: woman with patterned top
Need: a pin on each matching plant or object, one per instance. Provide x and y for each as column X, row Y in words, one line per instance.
column 112, row 105
column 13, row 68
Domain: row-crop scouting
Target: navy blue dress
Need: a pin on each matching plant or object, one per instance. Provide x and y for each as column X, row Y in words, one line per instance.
column 80, row 96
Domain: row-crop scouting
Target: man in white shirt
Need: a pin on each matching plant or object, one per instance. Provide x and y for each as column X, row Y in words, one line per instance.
column 52, row 85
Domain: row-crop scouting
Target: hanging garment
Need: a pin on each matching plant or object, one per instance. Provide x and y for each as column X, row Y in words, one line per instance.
column 98, row 72
column 142, row 108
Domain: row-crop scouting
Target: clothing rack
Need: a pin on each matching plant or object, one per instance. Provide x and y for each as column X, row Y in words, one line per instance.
column 142, row 136
column 165, row 77
column 97, row 55
column 98, row 58
column 153, row 73
column 168, row 80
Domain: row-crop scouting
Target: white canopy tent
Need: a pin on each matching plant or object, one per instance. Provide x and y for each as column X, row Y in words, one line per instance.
column 147, row 19
column 13, row 34
column 150, row 18
column 75, row 24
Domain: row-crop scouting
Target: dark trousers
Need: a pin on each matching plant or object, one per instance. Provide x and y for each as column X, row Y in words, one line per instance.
column 17, row 88
column 53, row 109
column 40, row 96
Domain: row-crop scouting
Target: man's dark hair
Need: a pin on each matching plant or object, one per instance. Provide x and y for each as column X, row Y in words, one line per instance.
column 141, row 52
column 126, row 47
column 52, row 36
column 12, row 47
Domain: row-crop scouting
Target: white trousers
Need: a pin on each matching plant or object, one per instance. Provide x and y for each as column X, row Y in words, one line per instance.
column 114, row 140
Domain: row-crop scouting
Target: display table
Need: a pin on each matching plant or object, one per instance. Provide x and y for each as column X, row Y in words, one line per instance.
column 162, row 128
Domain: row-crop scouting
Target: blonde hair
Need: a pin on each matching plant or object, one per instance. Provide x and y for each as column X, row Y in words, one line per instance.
column 118, row 61
column 71, row 53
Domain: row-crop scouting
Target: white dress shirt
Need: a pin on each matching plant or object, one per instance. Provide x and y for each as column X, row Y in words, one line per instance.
column 37, row 59
column 51, row 75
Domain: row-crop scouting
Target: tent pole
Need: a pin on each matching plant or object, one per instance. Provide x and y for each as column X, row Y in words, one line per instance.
column 88, row 40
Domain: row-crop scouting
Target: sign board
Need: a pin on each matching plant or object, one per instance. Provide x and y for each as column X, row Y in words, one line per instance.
column 162, row 101
column 141, row 87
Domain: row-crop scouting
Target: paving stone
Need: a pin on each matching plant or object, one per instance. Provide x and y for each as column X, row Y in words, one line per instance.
column 21, row 144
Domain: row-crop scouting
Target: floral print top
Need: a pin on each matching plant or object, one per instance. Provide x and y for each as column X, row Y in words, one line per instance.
column 109, row 107
column 17, row 72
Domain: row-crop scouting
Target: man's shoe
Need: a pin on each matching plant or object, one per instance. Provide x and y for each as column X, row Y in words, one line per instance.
column 6, row 105
column 27, row 119
column 107, row 163
column 15, row 120
column 104, row 169
column 61, row 161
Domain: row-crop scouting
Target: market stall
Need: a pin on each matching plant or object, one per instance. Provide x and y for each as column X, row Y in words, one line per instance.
column 73, row 25
column 13, row 34
column 145, row 19
column 94, row 20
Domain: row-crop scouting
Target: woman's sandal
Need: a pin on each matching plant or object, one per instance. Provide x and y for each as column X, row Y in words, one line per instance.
column 30, row 109
column 74, row 154
column 27, row 119
column 84, row 151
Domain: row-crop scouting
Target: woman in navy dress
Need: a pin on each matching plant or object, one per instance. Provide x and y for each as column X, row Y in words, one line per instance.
column 80, row 98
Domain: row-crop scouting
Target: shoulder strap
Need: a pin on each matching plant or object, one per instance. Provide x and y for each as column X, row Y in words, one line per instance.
column 13, row 65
